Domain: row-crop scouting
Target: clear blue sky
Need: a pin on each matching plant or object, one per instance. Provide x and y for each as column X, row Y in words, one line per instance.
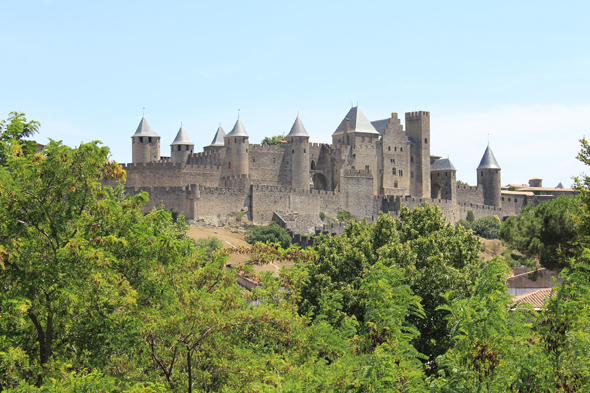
column 516, row 70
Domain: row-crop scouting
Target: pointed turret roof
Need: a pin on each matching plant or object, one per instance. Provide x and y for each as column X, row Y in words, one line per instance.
column 442, row 164
column 181, row 138
column 143, row 129
column 238, row 130
column 488, row 161
column 218, row 138
column 357, row 122
column 560, row 185
column 298, row 130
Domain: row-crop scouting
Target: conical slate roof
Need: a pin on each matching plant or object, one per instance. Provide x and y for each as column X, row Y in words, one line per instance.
column 560, row 185
column 298, row 130
column 488, row 161
column 442, row 164
column 238, row 130
column 143, row 129
column 181, row 138
column 218, row 138
column 357, row 122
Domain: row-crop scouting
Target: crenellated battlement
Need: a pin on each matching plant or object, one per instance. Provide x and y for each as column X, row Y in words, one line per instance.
column 275, row 148
column 417, row 115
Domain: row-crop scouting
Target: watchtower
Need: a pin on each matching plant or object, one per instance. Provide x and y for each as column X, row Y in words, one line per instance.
column 298, row 144
column 145, row 144
column 181, row 148
column 236, row 157
column 418, row 129
column 489, row 177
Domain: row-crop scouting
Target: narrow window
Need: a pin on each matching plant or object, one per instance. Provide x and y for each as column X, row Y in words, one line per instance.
column 313, row 165
column 515, row 200
column 186, row 148
column 401, row 149
column 502, row 199
column 395, row 184
column 395, row 148
column 179, row 147
column 293, row 151
column 438, row 175
column 446, row 173
column 393, row 171
column 273, row 160
column 508, row 199
column 482, row 173
column 425, row 140
column 412, row 159
column 254, row 160
column 150, row 139
column 401, row 173
column 389, row 148
column 140, row 139
column 367, row 168
column 235, row 140
column 304, row 151
column 246, row 150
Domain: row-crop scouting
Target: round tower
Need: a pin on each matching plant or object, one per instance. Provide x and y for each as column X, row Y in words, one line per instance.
column 236, row 155
column 489, row 178
column 298, row 144
column 181, row 148
column 145, row 144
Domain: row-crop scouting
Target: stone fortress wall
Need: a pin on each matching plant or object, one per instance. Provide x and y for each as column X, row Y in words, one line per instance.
column 370, row 167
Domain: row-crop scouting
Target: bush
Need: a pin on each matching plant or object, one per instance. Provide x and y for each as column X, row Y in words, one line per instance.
column 272, row 233
column 344, row 215
column 487, row 227
column 470, row 216
column 210, row 244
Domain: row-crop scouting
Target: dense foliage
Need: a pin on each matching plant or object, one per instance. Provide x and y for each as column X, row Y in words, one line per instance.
column 95, row 295
column 486, row 227
column 271, row 233
column 547, row 232
column 273, row 140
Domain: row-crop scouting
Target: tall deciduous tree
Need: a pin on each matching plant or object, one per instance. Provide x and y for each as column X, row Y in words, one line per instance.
column 547, row 232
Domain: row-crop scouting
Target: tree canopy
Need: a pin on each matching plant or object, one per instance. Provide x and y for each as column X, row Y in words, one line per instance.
column 273, row 140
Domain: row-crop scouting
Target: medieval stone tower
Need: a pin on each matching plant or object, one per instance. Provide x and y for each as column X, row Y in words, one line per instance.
column 489, row 177
column 298, row 142
column 181, row 148
column 236, row 156
column 145, row 144
column 418, row 129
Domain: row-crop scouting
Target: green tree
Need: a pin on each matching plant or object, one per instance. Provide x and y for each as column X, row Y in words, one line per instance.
column 272, row 233
column 487, row 227
column 547, row 232
column 273, row 140
column 72, row 258
column 13, row 130
column 462, row 183
column 434, row 257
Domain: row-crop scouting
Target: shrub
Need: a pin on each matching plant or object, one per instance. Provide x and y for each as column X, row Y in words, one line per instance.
column 344, row 215
column 470, row 216
column 487, row 227
column 272, row 233
column 209, row 244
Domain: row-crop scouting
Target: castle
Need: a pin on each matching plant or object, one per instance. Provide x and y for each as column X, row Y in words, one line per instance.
column 369, row 167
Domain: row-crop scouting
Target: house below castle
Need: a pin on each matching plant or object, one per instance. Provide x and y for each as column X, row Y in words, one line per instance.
column 369, row 167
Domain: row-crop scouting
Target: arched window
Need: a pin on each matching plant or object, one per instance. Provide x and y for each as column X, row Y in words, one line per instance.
column 313, row 165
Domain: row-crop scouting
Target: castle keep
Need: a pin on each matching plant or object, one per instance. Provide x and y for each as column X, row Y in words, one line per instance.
column 369, row 167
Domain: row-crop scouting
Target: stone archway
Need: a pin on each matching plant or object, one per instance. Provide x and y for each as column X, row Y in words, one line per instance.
column 319, row 181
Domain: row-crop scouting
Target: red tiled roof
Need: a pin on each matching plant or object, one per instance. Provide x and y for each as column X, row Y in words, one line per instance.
column 535, row 298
